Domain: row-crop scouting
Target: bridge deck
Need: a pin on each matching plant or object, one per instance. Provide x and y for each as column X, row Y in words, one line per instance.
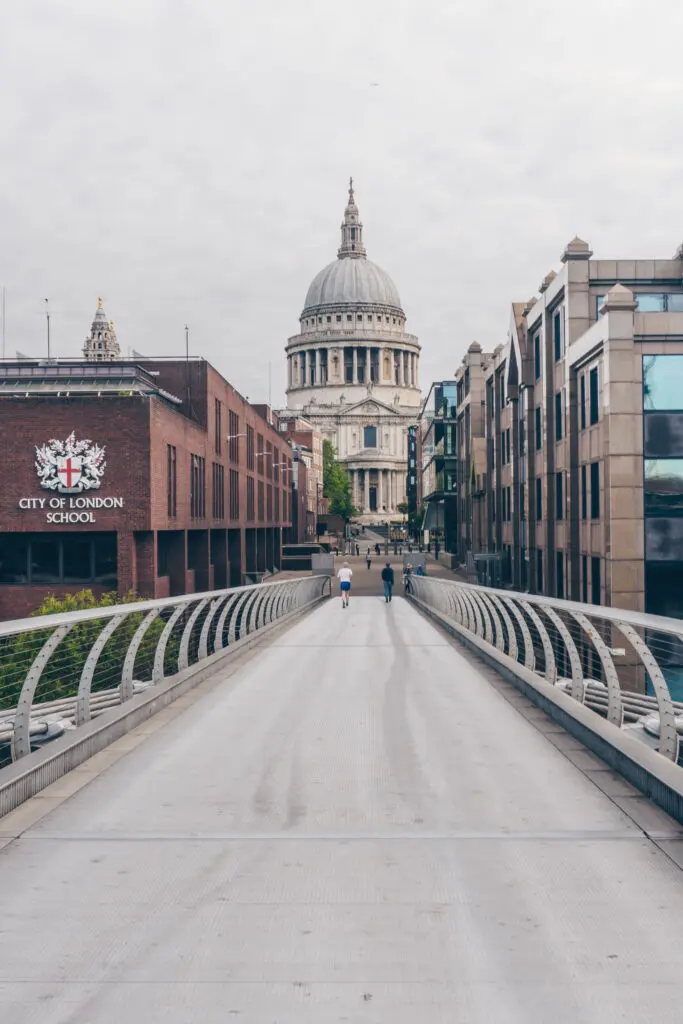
column 355, row 826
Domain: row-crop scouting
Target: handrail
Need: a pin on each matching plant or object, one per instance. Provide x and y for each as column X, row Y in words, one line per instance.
column 613, row 660
column 57, row 672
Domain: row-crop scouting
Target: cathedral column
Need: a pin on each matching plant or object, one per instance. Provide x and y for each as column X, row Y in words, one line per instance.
column 380, row 490
column 401, row 380
column 355, row 365
column 366, row 475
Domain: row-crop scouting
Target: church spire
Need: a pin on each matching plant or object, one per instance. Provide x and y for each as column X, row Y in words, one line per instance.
column 102, row 344
column 351, row 231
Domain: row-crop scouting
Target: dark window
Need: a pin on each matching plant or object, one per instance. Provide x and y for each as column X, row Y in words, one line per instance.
column 43, row 558
column 269, row 460
column 558, row 416
column 584, row 578
column 595, row 490
column 507, row 445
column 269, row 502
column 234, row 494
column 559, row 503
column 595, row 581
column 664, row 434
column 537, row 356
column 234, row 443
column 522, row 510
column 14, row 558
column 594, row 397
column 467, row 382
column 76, row 556
column 539, row 570
column 261, row 501
column 663, row 486
column 260, row 453
column 218, row 496
column 582, row 400
column 539, row 430
column 539, row 498
column 197, row 487
column 557, row 335
column 218, row 426
column 171, row 480
column 559, row 563
column 584, row 492
column 250, row 498
column 277, row 505
column 664, row 539
column 370, row 437
column 250, row 448
column 502, row 391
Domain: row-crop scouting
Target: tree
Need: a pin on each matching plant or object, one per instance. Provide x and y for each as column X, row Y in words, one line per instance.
column 336, row 485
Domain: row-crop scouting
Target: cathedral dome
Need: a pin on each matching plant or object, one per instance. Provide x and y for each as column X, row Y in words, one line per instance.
column 352, row 279
column 357, row 282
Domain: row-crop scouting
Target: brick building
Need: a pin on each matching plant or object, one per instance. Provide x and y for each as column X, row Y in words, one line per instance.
column 307, row 444
column 182, row 486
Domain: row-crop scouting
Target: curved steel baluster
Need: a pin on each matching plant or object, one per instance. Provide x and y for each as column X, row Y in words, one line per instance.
column 668, row 733
column 85, row 684
column 239, row 610
column 578, row 690
column 220, row 625
column 529, row 656
column 512, row 650
column 548, row 652
column 498, row 625
column 159, row 654
column 615, row 705
column 21, row 735
column 126, row 688
column 203, row 649
column 184, row 652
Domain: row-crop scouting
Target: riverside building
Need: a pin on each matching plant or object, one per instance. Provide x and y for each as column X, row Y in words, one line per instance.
column 156, row 477
column 352, row 372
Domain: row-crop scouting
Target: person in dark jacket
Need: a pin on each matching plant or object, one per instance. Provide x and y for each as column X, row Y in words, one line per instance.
column 388, row 581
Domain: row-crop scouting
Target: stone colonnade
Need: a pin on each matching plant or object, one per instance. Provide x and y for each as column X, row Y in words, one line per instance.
column 311, row 368
column 390, row 489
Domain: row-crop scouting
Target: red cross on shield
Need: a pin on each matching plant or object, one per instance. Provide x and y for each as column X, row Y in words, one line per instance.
column 69, row 471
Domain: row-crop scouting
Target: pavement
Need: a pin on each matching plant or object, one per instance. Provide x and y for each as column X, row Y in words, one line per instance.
column 359, row 823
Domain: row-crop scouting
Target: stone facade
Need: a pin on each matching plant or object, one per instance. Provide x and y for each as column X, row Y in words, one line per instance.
column 101, row 345
column 352, row 371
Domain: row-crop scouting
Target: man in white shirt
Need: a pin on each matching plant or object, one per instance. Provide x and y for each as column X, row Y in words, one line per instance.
column 344, row 576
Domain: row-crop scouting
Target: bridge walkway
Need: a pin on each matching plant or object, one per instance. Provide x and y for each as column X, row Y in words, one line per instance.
column 358, row 824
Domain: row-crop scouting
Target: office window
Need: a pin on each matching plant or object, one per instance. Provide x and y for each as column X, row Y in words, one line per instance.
column 250, row 499
column 522, row 437
column 557, row 335
column 234, row 494
column 171, row 480
column 663, row 486
column 522, row 510
column 260, row 453
column 44, row 558
column 539, row 498
column 269, row 460
column 595, row 581
column 369, row 437
column 539, row 570
column 218, row 426
column 584, row 578
column 663, row 383
column 594, row 397
column 539, row 429
column 269, row 502
column 277, row 505
column 507, row 445
column 197, row 487
column 250, row 448
column 559, row 496
column 582, row 401
column 559, row 565
column 558, row 416
column 502, row 391
column 537, row 356
column 234, row 442
column 595, row 490
column 584, row 492
column 653, row 303
column 218, row 492
column 261, row 501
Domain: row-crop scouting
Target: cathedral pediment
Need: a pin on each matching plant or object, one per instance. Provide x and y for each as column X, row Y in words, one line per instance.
column 370, row 407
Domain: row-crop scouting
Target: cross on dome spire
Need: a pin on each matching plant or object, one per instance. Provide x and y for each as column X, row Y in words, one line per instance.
column 351, row 231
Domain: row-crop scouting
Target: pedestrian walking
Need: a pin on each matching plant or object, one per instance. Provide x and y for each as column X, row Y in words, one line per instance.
column 388, row 581
column 344, row 576
column 378, row 550
column 357, row 549
column 368, row 559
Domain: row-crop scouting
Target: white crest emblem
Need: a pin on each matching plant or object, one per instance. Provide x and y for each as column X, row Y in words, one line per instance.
column 70, row 466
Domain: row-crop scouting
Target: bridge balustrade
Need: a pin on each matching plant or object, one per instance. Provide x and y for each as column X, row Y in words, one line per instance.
column 58, row 672
column 626, row 666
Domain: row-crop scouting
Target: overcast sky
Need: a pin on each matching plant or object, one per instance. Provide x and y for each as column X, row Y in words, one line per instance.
column 188, row 160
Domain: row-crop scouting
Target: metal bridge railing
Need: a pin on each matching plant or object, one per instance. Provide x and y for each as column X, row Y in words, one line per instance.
column 59, row 671
column 619, row 663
